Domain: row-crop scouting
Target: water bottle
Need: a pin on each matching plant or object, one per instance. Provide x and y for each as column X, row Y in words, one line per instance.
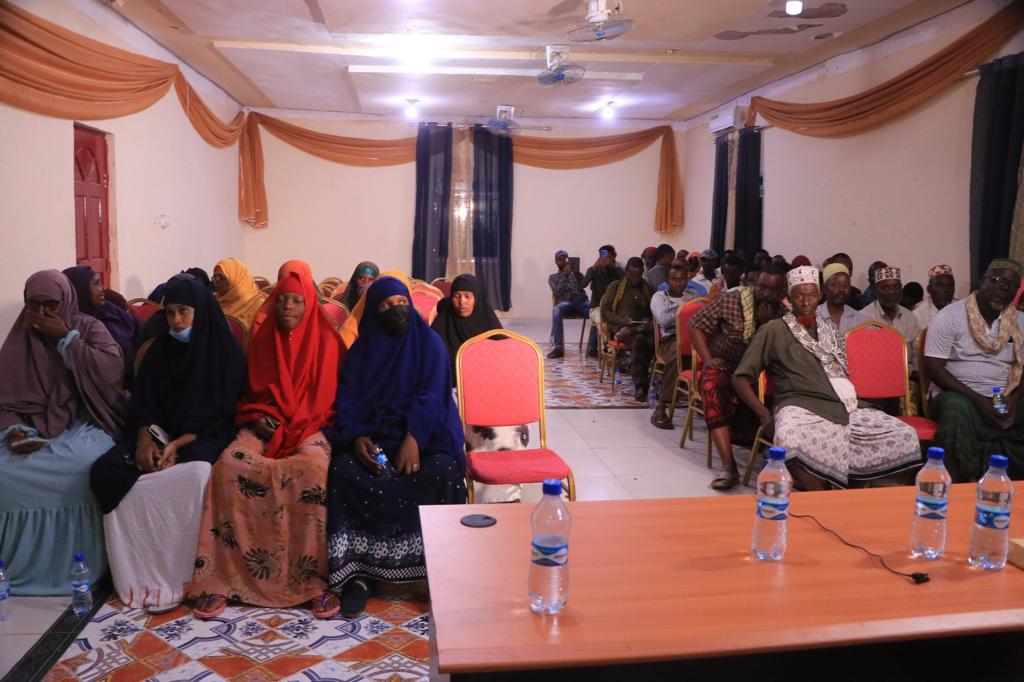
column 773, row 487
column 549, row 565
column 652, row 395
column 81, row 587
column 5, row 594
column 928, row 529
column 998, row 400
column 990, row 541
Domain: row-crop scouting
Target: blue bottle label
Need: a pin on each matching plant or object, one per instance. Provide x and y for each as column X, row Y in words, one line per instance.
column 5, row 594
column 82, row 586
column 991, row 516
column 772, row 510
column 545, row 555
column 930, row 507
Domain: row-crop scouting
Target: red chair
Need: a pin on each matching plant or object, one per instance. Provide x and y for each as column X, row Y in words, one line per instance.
column 501, row 383
column 239, row 331
column 687, row 380
column 335, row 311
column 442, row 285
column 339, row 293
column 425, row 302
column 142, row 309
column 876, row 356
column 262, row 282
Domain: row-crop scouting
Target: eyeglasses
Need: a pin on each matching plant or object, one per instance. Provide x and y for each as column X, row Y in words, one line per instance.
column 38, row 306
column 1005, row 282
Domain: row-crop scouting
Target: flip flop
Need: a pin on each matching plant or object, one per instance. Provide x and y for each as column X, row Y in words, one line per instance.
column 727, row 482
column 321, row 610
column 209, row 606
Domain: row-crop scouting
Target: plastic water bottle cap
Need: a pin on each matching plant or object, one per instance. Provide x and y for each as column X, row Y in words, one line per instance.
column 777, row 454
column 552, row 486
column 79, row 557
column 997, row 389
column 998, row 461
column 2, row 564
column 936, row 453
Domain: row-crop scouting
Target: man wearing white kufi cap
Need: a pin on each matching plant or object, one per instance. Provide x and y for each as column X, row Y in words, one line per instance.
column 887, row 309
column 829, row 439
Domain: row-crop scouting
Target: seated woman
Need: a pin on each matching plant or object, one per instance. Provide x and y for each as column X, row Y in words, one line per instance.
column 362, row 277
column 263, row 537
column 350, row 329
column 122, row 325
column 463, row 315
column 60, row 409
column 394, row 397
column 151, row 486
column 236, row 291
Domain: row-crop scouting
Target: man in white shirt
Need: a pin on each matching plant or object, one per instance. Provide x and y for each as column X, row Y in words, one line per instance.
column 664, row 305
column 709, row 273
column 887, row 309
column 941, row 286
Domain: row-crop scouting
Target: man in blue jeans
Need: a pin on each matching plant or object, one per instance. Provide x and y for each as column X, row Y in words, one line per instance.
column 566, row 286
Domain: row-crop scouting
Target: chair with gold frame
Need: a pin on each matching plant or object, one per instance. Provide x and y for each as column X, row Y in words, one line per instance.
column 500, row 382
column 759, row 439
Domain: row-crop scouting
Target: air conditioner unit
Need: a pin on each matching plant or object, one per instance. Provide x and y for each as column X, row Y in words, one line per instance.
column 728, row 118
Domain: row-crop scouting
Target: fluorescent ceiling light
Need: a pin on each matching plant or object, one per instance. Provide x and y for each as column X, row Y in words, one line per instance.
column 481, row 71
column 411, row 112
column 606, row 111
column 794, row 7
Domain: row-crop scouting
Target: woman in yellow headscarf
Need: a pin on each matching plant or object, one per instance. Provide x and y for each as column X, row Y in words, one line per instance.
column 350, row 330
column 236, row 291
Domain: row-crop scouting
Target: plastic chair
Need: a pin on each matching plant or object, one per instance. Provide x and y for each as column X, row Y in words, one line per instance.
column 336, row 312
column 501, row 383
column 239, row 330
column 763, row 391
column 142, row 309
column 876, row 357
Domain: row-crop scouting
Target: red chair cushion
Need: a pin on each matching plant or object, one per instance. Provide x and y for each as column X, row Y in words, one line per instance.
column 515, row 466
column 142, row 313
column 617, row 345
column 925, row 427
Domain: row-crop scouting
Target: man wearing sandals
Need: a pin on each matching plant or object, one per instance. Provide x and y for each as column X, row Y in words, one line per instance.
column 720, row 334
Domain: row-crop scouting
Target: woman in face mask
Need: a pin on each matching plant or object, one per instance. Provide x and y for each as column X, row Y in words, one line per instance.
column 397, row 444
column 150, row 487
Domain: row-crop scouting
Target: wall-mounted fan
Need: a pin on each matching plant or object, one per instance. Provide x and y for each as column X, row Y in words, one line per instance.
column 504, row 122
column 560, row 70
column 604, row 22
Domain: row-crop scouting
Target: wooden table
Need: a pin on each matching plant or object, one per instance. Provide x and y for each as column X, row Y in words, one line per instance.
column 663, row 580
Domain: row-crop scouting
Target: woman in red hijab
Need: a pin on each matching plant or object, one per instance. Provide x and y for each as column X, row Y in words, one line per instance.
column 263, row 537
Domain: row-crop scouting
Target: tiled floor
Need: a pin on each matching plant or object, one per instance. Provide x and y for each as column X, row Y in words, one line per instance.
column 614, row 453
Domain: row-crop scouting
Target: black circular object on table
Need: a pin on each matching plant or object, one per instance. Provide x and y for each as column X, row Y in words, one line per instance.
column 478, row 520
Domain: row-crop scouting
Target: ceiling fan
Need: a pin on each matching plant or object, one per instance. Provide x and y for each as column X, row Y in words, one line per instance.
column 604, row 22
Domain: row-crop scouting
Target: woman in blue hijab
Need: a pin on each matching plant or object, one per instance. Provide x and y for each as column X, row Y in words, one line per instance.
column 395, row 396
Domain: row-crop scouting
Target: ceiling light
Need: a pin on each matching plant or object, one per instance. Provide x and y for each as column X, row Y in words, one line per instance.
column 794, row 7
column 606, row 111
column 411, row 112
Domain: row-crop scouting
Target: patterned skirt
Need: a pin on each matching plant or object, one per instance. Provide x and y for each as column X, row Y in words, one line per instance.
column 263, row 535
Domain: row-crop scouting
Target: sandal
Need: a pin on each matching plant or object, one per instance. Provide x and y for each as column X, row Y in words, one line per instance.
column 326, row 606
column 353, row 598
column 209, row 606
column 726, row 482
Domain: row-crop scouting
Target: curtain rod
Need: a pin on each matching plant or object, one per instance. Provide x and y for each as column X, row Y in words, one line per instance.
column 466, row 126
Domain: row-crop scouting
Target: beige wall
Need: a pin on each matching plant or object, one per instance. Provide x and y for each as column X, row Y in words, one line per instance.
column 898, row 193
column 335, row 216
column 160, row 166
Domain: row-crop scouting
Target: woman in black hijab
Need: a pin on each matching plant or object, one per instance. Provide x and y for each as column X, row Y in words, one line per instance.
column 181, row 417
column 463, row 315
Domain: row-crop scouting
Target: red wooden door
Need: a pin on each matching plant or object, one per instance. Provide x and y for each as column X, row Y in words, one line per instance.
column 92, row 222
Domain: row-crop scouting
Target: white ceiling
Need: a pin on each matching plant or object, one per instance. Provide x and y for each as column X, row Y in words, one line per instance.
column 307, row 54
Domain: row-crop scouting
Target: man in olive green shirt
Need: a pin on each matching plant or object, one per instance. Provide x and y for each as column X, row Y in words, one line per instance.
column 829, row 439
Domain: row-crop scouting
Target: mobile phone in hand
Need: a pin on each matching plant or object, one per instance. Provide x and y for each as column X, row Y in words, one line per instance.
column 161, row 437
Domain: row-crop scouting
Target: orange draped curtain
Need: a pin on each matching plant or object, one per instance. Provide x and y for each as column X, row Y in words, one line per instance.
column 56, row 72
column 899, row 94
column 587, row 152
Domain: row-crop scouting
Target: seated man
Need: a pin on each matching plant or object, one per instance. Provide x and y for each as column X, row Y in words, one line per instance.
column 732, row 272
column 567, row 289
column 720, row 334
column 828, row 438
column 837, row 296
column 974, row 345
column 913, row 294
column 709, row 273
column 664, row 305
column 626, row 309
column 887, row 309
column 602, row 273
column 941, row 288
column 663, row 258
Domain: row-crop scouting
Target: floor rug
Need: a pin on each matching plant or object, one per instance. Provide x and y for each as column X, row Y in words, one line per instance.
column 572, row 382
column 388, row 642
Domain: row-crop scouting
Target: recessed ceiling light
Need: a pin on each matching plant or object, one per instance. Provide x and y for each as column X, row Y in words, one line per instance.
column 606, row 110
column 411, row 112
column 794, row 7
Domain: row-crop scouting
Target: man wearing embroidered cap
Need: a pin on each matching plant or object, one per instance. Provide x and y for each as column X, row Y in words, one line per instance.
column 838, row 291
column 941, row 287
column 887, row 310
column 974, row 346
column 829, row 439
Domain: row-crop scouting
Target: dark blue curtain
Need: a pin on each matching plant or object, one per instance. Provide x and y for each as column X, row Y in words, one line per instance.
column 433, row 199
column 492, row 215
column 720, row 194
column 749, row 213
column 995, row 159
